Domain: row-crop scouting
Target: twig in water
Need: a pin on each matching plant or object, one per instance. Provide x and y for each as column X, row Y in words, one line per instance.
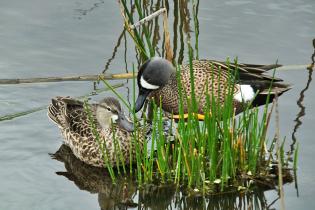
column 169, row 52
column 101, row 76
column 67, row 78
column 148, row 18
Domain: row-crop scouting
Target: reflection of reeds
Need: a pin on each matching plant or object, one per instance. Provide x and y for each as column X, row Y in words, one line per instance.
column 301, row 113
column 122, row 35
column 295, row 148
column 146, row 38
column 300, row 102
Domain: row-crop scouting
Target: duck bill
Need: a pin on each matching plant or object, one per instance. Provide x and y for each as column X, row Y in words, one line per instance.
column 143, row 94
column 125, row 124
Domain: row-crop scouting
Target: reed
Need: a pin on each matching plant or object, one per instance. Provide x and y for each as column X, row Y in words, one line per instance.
column 209, row 156
column 100, row 141
column 224, row 151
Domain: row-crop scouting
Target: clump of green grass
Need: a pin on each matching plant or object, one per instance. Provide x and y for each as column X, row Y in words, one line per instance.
column 221, row 152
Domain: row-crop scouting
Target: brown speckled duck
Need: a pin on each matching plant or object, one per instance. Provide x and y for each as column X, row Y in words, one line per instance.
column 157, row 79
column 72, row 119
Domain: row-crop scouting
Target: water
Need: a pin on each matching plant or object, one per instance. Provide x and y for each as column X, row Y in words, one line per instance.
column 58, row 38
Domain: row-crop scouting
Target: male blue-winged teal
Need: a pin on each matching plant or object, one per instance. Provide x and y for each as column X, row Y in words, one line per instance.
column 73, row 120
column 157, row 79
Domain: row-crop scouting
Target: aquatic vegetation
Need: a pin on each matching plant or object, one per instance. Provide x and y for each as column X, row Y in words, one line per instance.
column 125, row 193
column 225, row 151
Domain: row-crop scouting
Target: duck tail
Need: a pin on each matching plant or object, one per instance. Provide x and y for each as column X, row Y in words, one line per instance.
column 270, row 90
column 57, row 112
column 270, row 66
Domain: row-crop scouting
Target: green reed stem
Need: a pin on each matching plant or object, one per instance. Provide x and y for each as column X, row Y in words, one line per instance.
column 145, row 29
column 136, row 37
column 101, row 143
column 296, row 153
column 109, row 86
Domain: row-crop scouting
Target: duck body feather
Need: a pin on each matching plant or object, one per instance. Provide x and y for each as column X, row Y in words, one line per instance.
column 88, row 146
column 216, row 79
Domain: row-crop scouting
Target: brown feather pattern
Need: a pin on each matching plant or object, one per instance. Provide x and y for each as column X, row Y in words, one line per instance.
column 71, row 117
column 214, row 77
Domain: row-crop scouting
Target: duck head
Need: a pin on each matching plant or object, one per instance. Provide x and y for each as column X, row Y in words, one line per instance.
column 109, row 112
column 152, row 75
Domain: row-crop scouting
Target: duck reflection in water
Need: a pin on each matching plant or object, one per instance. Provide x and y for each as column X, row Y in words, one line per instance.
column 121, row 195
column 125, row 193
column 97, row 180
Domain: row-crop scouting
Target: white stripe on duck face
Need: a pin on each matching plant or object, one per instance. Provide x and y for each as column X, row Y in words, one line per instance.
column 147, row 85
column 114, row 118
column 246, row 93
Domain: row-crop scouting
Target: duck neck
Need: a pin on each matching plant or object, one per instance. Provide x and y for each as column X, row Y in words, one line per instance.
column 167, row 95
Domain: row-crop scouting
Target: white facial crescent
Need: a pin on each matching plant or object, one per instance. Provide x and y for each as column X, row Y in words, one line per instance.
column 146, row 85
column 114, row 118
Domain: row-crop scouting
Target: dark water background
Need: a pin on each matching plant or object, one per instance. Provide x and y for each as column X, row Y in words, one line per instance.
column 40, row 38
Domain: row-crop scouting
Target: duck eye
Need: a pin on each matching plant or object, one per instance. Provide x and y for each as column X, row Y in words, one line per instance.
column 108, row 109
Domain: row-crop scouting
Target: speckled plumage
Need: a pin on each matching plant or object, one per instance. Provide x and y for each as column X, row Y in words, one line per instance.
column 212, row 77
column 72, row 119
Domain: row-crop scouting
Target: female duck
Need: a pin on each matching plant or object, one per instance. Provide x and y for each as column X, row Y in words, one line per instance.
column 114, row 130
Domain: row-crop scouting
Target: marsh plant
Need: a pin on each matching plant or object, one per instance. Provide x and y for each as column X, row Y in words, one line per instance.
column 223, row 151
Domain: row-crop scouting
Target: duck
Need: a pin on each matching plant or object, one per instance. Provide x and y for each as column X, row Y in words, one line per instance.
column 157, row 79
column 88, row 141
